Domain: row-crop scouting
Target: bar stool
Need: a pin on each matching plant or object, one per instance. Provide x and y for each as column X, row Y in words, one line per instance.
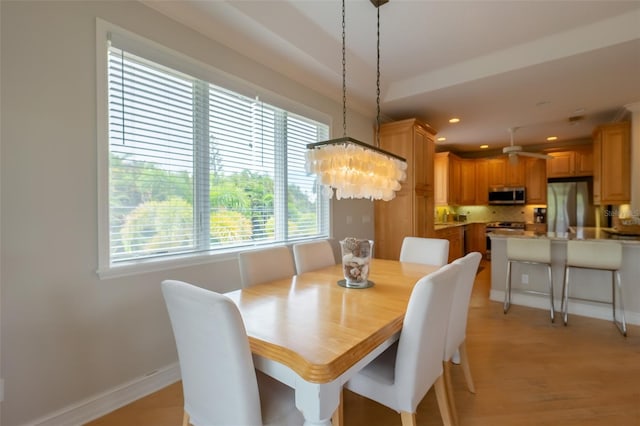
column 606, row 256
column 530, row 251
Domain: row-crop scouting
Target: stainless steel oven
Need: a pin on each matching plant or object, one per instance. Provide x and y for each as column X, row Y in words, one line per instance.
column 503, row 227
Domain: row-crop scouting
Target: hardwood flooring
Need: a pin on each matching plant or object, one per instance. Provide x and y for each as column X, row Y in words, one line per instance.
column 527, row 371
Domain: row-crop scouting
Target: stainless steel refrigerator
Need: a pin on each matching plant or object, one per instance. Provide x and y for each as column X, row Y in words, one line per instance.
column 569, row 203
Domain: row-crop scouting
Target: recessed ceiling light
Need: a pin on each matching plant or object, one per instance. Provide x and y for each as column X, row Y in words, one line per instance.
column 454, row 120
column 484, row 146
column 552, row 138
column 441, row 139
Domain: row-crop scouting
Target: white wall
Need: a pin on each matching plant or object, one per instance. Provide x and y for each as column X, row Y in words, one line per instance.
column 66, row 335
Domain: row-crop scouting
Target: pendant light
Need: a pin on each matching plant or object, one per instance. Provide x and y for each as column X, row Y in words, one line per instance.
column 352, row 168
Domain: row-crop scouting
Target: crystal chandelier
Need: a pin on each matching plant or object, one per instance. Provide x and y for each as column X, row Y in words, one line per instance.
column 353, row 168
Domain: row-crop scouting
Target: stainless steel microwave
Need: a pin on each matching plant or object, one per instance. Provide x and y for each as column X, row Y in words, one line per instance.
column 506, row 195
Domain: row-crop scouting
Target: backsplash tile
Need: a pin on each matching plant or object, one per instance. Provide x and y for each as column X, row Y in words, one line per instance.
column 490, row 213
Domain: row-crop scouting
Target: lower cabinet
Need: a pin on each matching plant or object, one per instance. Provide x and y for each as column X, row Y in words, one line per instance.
column 476, row 238
column 455, row 235
column 538, row 228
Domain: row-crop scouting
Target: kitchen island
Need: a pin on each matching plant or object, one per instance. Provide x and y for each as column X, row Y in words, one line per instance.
column 586, row 284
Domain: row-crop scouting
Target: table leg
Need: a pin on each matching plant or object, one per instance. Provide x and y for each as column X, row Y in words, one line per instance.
column 317, row 401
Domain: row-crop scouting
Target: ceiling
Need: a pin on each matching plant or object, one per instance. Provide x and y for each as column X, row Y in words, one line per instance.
column 549, row 68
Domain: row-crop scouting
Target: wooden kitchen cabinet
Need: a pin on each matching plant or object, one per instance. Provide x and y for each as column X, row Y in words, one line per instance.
column 584, row 162
column 476, row 238
column 467, row 191
column 482, row 181
column 496, row 172
column 538, row 228
column 502, row 172
column 515, row 173
column 447, row 177
column 612, row 164
column 460, row 181
column 410, row 213
column 575, row 162
column 536, row 180
column 455, row 236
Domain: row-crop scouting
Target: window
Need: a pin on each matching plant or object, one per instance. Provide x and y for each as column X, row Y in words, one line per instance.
column 194, row 168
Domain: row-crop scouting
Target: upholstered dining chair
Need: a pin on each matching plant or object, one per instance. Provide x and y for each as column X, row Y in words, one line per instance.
column 313, row 255
column 431, row 251
column 457, row 328
column 400, row 377
column 219, row 382
column 263, row 265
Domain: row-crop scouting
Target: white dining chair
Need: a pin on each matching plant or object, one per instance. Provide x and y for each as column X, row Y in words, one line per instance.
column 400, row 377
column 219, row 382
column 313, row 255
column 430, row 251
column 263, row 265
column 457, row 329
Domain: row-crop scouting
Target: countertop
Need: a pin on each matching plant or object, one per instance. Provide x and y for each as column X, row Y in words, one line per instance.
column 577, row 233
column 444, row 225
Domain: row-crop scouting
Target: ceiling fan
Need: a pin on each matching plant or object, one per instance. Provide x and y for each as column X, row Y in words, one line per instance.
column 513, row 151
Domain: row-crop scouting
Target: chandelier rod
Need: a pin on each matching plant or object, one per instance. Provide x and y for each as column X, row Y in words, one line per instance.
column 378, row 82
column 344, row 74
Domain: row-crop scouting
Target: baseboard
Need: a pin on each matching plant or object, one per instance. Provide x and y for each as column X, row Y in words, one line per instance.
column 576, row 307
column 106, row 402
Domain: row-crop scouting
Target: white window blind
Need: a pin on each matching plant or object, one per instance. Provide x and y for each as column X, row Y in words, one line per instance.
column 196, row 168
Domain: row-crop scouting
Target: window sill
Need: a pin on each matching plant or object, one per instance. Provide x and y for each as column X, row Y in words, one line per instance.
column 144, row 266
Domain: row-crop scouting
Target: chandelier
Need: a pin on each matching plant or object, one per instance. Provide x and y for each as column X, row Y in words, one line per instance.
column 352, row 168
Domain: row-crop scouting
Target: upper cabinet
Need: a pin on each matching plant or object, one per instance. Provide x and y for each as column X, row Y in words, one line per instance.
column 467, row 191
column 447, row 176
column 576, row 162
column 612, row 164
column 466, row 181
column 410, row 213
column 502, row 172
column 482, row 181
column 536, row 180
column 460, row 181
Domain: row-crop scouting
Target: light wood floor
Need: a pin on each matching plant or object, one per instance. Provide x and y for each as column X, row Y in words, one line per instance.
column 527, row 371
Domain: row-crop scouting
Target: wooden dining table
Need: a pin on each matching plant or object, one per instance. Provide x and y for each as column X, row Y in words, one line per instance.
column 314, row 335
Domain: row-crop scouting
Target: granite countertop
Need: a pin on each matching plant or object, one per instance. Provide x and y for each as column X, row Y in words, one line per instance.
column 576, row 233
column 444, row 225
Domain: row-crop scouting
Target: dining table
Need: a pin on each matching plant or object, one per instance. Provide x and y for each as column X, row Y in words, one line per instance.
column 314, row 335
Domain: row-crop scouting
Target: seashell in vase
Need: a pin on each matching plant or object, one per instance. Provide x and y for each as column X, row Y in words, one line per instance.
column 356, row 257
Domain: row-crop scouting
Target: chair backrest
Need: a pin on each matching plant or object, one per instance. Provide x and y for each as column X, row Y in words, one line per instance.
column 313, row 255
column 263, row 265
column 218, row 376
column 421, row 345
column 594, row 254
column 457, row 328
column 529, row 249
column 430, row 251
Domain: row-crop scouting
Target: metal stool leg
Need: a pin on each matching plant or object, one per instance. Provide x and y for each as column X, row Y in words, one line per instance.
column 507, row 293
column 565, row 296
column 551, row 293
column 616, row 283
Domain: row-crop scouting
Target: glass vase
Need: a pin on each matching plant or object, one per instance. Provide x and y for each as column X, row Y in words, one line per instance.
column 356, row 260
